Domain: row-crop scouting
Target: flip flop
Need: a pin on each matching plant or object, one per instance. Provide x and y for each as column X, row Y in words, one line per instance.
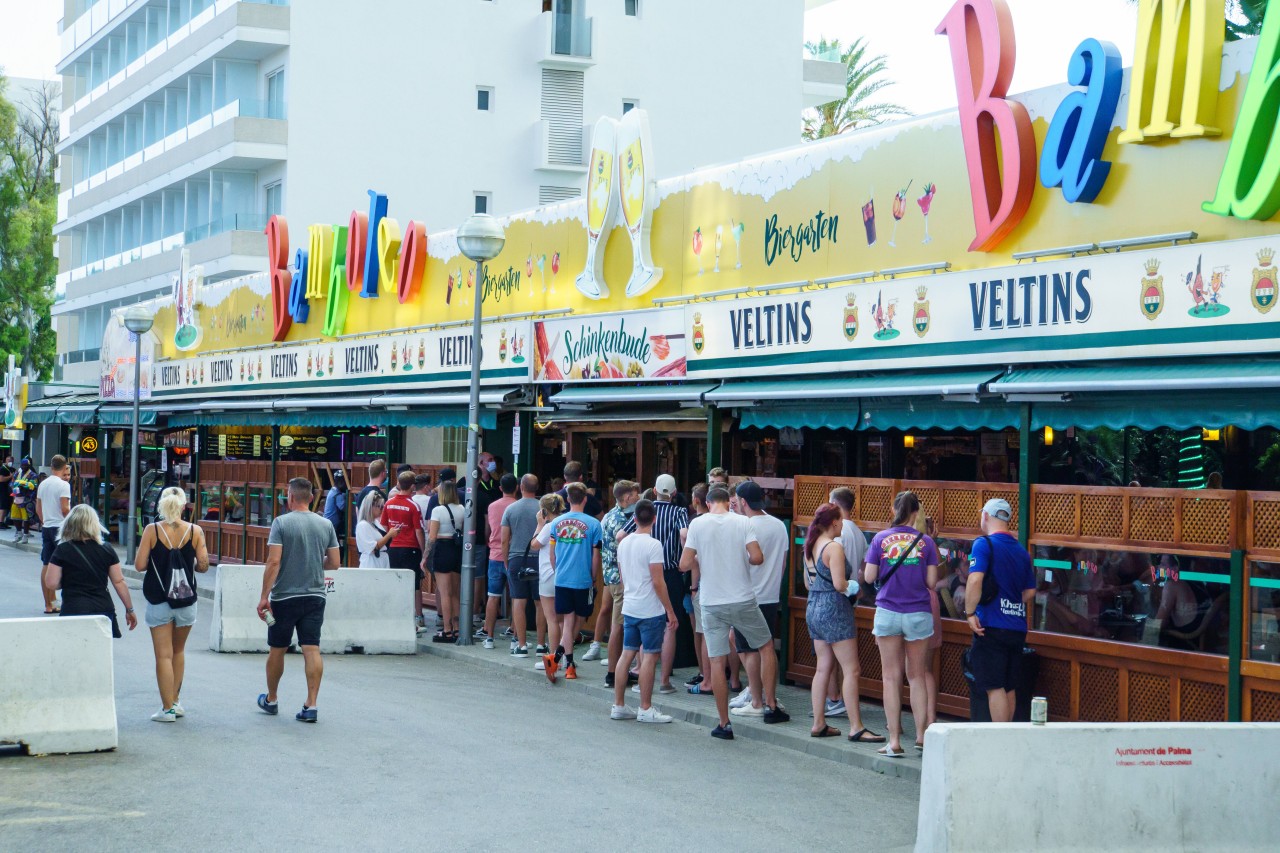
column 698, row 690
column 866, row 736
column 829, row 731
column 890, row 753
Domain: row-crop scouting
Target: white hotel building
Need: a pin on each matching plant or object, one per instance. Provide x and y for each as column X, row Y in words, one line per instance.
column 187, row 123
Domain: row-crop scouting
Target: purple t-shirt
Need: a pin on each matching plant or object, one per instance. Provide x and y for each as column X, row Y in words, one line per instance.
column 906, row 591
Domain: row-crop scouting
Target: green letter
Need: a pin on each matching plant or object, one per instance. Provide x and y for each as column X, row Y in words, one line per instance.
column 335, row 315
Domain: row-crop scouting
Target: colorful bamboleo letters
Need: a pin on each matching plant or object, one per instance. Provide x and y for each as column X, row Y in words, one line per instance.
column 1072, row 157
column 278, row 263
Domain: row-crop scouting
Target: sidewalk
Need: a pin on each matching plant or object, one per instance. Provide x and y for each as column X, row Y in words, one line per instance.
column 701, row 710
column 204, row 585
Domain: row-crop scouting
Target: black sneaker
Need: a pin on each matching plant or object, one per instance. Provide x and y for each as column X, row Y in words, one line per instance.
column 697, row 679
column 776, row 715
column 608, row 679
column 724, row 732
column 633, row 678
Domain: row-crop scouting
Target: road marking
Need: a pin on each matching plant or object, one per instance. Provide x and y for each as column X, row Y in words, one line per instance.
column 79, row 813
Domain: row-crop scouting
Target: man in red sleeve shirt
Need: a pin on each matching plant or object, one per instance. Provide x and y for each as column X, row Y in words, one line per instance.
column 405, row 552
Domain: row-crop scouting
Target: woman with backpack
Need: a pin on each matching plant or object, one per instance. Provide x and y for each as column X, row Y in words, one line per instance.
column 83, row 567
column 444, row 555
column 903, row 564
column 169, row 555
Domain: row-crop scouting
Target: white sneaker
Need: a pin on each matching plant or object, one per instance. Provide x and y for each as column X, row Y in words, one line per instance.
column 593, row 652
column 604, row 660
column 166, row 716
column 748, row 710
column 488, row 642
column 635, row 689
column 652, row 715
column 743, row 698
column 540, row 666
column 177, row 709
column 622, row 712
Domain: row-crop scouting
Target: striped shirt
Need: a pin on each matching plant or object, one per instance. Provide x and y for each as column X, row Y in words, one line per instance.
column 667, row 524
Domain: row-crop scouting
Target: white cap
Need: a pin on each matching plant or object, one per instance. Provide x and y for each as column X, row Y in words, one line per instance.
column 665, row 485
column 999, row 509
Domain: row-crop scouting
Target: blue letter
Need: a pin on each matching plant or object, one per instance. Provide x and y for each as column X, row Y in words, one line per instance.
column 299, row 307
column 1072, row 156
column 377, row 210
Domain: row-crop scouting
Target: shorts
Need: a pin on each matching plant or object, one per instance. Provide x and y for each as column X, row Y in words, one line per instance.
column 574, row 601
column 409, row 559
column 158, row 615
column 643, row 634
column 995, row 659
column 19, row 513
column 547, row 584
column 446, row 557
column 48, row 541
column 615, row 591
column 497, row 578
column 770, row 613
column 522, row 588
column 910, row 626
column 746, row 620
column 304, row 614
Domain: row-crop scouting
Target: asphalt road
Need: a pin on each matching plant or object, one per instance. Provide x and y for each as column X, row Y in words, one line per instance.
column 417, row 753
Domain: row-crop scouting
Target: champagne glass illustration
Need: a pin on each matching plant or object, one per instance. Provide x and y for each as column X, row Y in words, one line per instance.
column 635, row 172
column 719, row 243
column 899, row 211
column 542, row 271
column 528, row 271
column 601, row 208
column 697, row 246
column 926, row 201
column 737, row 229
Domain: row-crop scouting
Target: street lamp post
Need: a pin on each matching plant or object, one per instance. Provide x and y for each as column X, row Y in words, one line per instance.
column 481, row 239
column 137, row 320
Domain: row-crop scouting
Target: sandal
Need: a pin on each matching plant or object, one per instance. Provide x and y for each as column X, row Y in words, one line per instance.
column 699, row 690
column 866, row 736
column 829, row 731
column 889, row 752
column 440, row 637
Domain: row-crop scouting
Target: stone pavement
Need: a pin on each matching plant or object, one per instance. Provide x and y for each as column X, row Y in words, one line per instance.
column 700, row 709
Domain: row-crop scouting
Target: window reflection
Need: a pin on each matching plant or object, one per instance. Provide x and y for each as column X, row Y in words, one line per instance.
column 1264, row 602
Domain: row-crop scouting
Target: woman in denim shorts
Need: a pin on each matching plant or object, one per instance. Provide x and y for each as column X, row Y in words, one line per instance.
column 170, row 626
column 907, row 561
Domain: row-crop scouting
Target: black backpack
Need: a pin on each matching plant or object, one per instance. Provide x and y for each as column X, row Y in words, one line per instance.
column 180, row 590
column 990, row 586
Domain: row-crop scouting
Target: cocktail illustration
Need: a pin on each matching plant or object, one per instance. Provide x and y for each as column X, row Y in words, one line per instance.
column 697, row 246
column 926, row 201
column 555, row 263
column 719, row 243
column 601, row 208
column 542, row 271
column 528, row 271
column 737, row 229
column 899, row 211
column 869, row 220
column 635, row 184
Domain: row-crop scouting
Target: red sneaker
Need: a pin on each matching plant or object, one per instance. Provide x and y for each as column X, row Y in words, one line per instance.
column 571, row 673
column 550, row 666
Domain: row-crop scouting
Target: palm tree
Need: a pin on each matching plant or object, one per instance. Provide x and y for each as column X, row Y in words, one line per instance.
column 1244, row 17
column 856, row 109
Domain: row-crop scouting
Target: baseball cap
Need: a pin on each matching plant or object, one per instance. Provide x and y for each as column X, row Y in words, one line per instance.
column 665, row 484
column 448, row 474
column 998, row 508
column 752, row 494
column 338, row 475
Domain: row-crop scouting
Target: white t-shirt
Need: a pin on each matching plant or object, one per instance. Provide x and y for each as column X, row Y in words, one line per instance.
column 773, row 537
column 546, row 571
column 636, row 554
column 50, row 495
column 855, row 548
column 447, row 515
column 421, row 501
column 721, row 538
column 367, row 537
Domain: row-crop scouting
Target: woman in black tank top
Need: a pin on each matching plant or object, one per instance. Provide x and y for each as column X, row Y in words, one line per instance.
column 170, row 553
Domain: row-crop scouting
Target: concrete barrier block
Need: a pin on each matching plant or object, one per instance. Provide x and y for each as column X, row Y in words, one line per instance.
column 366, row 609
column 57, row 685
column 1099, row 786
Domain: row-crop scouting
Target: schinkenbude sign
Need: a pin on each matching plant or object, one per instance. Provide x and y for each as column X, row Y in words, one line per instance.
column 1187, row 300
column 637, row 346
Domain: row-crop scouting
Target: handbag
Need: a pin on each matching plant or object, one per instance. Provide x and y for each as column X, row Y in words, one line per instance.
column 880, row 582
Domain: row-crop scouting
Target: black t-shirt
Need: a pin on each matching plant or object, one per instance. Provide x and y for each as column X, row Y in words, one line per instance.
column 593, row 507
column 364, row 493
column 487, row 491
column 85, row 577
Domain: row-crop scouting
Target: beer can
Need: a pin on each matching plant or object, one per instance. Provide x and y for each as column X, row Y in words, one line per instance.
column 271, row 619
column 1039, row 710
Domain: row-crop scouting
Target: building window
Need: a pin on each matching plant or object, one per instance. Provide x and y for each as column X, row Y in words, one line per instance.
column 275, row 199
column 455, row 445
column 629, row 104
column 484, row 98
column 632, row 8
column 275, row 94
column 483, row 202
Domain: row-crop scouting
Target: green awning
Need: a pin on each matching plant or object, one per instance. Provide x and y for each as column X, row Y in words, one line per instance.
column 1139, row 377
column 842, row 388
column 586, row 395
column 67, row 409
column 1246, row 409
column 931, row 413
column 123, row 416
column 450, row 417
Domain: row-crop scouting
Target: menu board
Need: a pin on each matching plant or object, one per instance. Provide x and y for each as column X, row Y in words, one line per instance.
column 239, row 446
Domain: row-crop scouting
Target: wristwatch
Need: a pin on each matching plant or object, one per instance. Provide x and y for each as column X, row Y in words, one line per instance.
column 128, row 610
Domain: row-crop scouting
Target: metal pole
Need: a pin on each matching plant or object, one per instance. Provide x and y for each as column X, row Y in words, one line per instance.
column 1235, row 645
column 473, row 474
column 133, row 462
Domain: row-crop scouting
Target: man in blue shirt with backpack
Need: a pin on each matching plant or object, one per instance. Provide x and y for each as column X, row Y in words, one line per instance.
column 1000, row 588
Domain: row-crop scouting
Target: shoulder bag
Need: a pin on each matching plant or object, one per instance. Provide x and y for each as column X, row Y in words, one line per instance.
column 880, row 582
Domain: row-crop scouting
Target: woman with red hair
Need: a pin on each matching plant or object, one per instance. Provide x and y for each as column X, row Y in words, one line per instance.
column 830, row 619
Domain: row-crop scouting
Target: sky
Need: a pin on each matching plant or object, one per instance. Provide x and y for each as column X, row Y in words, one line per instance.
column 919, row 62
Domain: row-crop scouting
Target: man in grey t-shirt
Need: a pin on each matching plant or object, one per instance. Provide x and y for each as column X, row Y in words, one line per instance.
column 519, row 524
column 300, row 547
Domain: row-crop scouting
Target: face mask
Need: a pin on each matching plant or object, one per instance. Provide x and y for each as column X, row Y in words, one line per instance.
column 491, row 467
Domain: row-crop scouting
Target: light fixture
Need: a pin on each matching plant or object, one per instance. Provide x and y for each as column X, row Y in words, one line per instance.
column 481, row 238
column 854, row 276
column 1082, row 249
column 1134, row 242
column 731, row 291
column 1048, row 436
column 908, row 440
column 138, row 319
column 943, row 266
column 783, row 285
column 673, row 300
column 1210, row 435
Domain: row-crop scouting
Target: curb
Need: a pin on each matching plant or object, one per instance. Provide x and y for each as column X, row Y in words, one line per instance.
column 776, row 736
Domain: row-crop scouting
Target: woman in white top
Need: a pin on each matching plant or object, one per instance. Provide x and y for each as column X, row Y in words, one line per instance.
column 552, row 506
column 371, row 540
column 444, row 556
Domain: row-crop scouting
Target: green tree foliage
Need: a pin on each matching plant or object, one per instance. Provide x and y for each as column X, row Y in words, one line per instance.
column 28, row 211
column 1244, row 17
column 863, row 83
